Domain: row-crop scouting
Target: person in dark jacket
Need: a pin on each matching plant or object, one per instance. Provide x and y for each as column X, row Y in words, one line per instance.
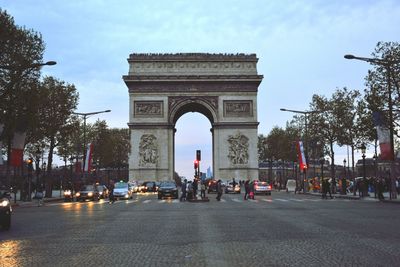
column 219, row 190
column 183, row 190
column 246, row 189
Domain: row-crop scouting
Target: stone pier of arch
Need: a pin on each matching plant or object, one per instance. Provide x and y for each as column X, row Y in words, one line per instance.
column 163, row 87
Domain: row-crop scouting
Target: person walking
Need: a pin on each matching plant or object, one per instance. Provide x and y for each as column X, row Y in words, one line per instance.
column 111, row 198
column 380, row 187
column 203, row 190
column 39, row 195
column 219, row 190
column 246, row 189
column 183, row 191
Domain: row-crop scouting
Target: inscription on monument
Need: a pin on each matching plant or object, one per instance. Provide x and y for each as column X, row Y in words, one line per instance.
column 148, row 108
column 238, row 149
column 238, row 108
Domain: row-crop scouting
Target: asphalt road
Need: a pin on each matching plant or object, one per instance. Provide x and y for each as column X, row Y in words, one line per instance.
column 278, row 230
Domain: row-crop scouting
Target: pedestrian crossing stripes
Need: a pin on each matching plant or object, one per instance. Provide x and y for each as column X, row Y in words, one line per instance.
column 223, row 200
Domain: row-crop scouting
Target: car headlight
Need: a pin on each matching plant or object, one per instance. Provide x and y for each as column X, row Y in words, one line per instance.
column 77, row 194
column 4, row 203
column 67, row 193
column 90, row 194
column 127, row 195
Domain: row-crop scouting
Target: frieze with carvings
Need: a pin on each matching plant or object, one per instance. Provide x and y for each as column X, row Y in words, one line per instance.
column 148, row 108
column 148, row 150
column 238, row 149
column 238, row 108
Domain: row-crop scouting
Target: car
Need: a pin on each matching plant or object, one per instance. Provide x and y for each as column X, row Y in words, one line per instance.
column 229, row 188
column 134, row 186
column 168, row 189
column 88, row 192
column 122, row 191
column 149, row 186
column 68, row 195
column 291, row 185
column 212, row 186
column 5, row 209
column 262, row 188
column 103, row 190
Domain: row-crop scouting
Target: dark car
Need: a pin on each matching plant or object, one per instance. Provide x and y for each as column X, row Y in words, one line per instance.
column 87, row 192
column 168, row 189
column 5, row 209
column 103, row 190
column 149, row 187
column 212, row 186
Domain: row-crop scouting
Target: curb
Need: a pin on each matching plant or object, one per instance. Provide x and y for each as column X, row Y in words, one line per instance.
column 33, row 203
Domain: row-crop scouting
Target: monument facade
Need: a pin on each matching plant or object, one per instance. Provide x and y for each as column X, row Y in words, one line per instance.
column 163, row 87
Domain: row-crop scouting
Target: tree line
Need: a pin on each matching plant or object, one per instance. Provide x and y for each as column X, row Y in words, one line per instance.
column 43, row 108
column 345, row 118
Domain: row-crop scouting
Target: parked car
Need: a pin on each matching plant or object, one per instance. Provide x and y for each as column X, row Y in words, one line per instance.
column 103, row 190
column 122, row 191
column 168, row 189
column 87, row 192
column 262, row 188
column 229, row 188
column 5, row 209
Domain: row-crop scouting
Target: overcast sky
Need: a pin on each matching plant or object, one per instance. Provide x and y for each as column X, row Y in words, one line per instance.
column 300, row 46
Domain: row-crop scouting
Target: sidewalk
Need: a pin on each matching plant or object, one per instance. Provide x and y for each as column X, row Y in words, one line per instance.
column 33, row 203
column 357, row 197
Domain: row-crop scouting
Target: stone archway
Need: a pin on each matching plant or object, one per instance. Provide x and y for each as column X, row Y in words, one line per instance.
column 163, row 87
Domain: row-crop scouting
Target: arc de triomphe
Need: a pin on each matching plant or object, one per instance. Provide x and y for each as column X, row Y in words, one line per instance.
column 163, row 87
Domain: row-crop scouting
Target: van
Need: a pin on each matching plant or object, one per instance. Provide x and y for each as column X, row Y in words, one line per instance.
column 291, row 186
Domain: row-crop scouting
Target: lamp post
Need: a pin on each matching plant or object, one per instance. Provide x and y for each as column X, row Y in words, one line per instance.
column 322, row 161
column 387, row 64
column 305, row 113
column 31, row 66
column 85, row 115
column 375, row 157
column 38, row 153
column 363, row 148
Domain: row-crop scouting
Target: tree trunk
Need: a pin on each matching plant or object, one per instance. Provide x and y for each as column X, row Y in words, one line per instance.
column 49, row 177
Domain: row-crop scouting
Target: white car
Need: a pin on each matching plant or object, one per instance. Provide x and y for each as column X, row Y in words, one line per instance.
column 122, row 190
column 262, row 188
column 291, row 185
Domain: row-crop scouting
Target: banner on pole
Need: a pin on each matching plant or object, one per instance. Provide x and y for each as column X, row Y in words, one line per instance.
column 383, row 134
column 17, row 149
column 88, row 160
column 301, row 155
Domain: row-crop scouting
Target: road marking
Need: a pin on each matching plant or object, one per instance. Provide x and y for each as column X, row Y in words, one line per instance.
column 281, row 199
column 237, row 200
column 267, row 200
column 147, row 201
column 223, row 200
column 295, row 199
column 253, row 200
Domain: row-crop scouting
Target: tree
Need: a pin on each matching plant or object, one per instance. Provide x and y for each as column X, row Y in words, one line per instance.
column 59, row 100
column 20, row 50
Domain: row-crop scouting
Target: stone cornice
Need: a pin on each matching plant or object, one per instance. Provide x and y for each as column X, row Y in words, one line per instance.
column 174, row 78
column 192, row 57
column 236, row 125
column 162, row 125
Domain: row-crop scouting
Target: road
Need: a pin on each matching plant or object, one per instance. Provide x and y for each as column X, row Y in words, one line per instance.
column 278, row 230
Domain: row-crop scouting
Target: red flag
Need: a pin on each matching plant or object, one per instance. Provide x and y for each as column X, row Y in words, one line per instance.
column 384, row 142
column 17, row 149
column 88, row 161
column 301, row 155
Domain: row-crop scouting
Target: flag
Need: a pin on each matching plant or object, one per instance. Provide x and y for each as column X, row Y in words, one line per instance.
column 1, row 145
column 88, row 160
column 301, row 155
column 383, row 134
column 17, row 149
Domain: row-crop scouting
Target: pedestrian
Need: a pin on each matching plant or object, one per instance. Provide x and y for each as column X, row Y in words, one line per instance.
column 111, row 198
column 189, row 190
column 380, row 186
column 183, row 190
column 329, row 188
column 246, row 189
column 219, row 190
column 39, row 195
column 203, row 190
column 252, row 192
column 195, row 187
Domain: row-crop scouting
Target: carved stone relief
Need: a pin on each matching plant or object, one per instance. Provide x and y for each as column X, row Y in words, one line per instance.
column 238, row 149
column 148, row 150
column 148, row 108
column 238, row 108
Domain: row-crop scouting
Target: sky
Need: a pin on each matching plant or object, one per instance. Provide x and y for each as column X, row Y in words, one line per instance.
column 300, row 45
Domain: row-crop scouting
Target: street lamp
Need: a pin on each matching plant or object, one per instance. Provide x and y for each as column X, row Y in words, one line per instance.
column 375, row 157
column 31, row 66
column 387, row 64
column 322, row 161
column 363, row 148
column 38, row 154
column 85, row 115
column 305, row 113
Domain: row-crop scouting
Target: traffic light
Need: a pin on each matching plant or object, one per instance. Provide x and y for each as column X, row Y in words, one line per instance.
column 196, row 164
column 30, row 162
column 198, row 155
